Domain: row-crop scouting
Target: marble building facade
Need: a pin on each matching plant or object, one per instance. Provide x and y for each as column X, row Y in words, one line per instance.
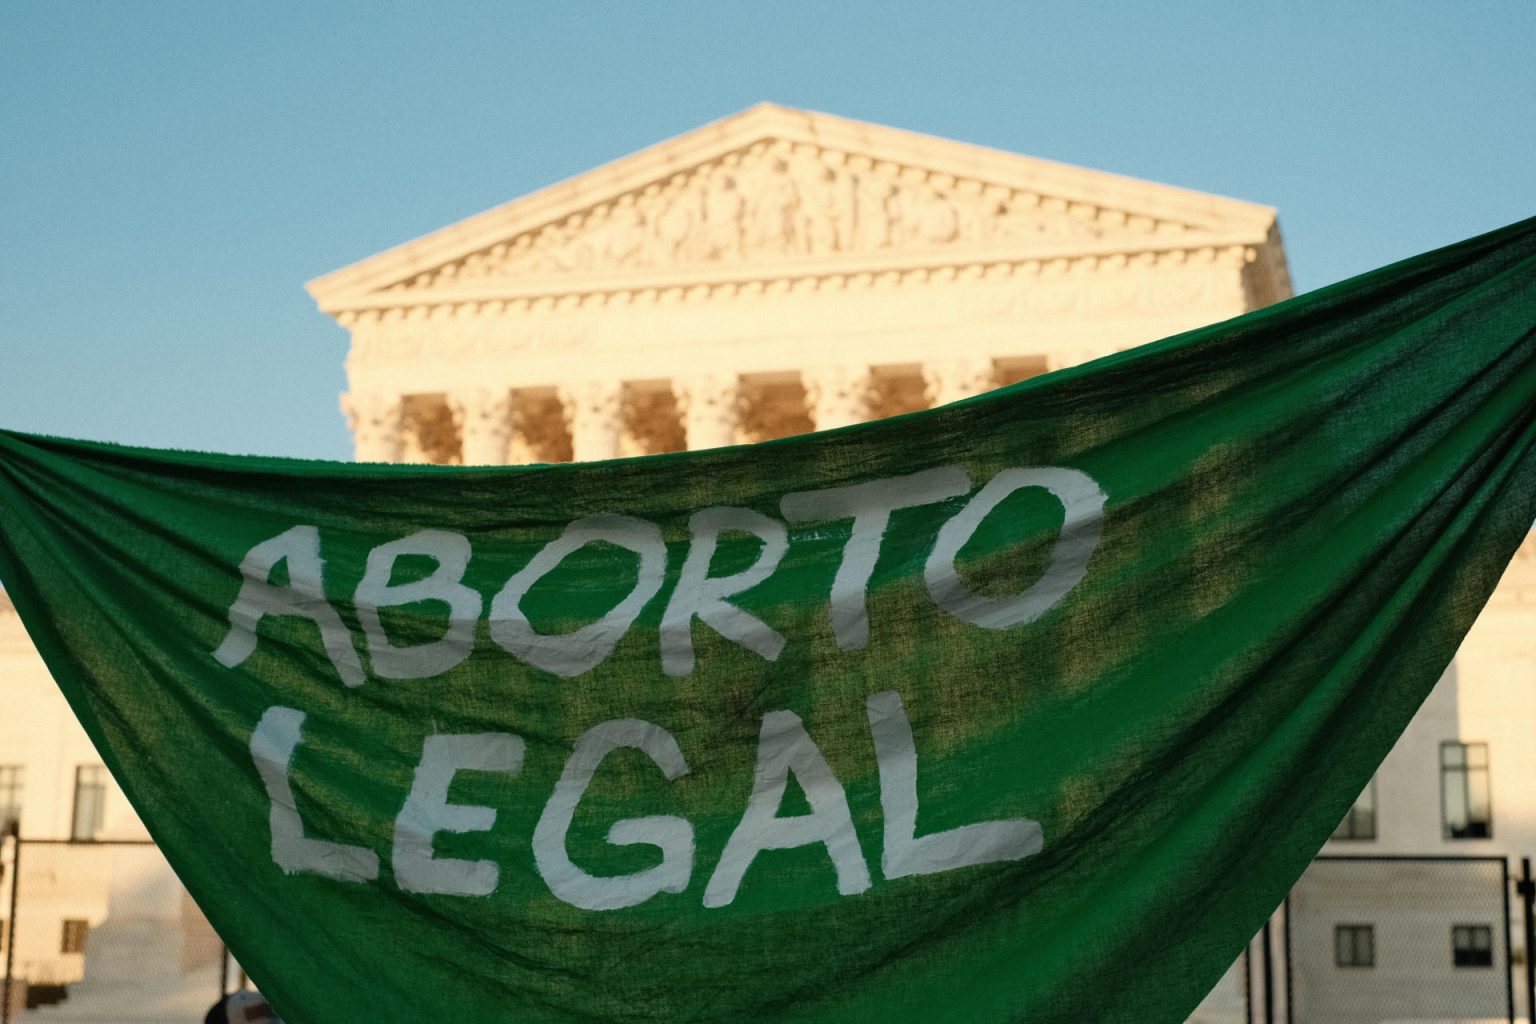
column 781, row 271
column 773, row 273
column 777, row 272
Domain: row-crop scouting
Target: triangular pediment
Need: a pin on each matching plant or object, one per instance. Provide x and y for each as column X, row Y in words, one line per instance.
column 773, row 189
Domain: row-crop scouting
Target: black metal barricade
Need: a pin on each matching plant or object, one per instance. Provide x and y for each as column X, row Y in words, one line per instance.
column 103, row 931
column 1382, row 938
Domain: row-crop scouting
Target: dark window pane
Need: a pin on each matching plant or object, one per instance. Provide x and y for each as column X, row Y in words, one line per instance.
column 73, row 940
column 1472, row 945
column 1360, row 821
column 1465, row 795
column 90, row 801
column 1354, row 945
column 10, row 796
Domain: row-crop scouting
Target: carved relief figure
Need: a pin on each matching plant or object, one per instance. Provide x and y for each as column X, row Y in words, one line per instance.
column 818, row 213
column 872, row 228
column 624, row 234
column 937, row 220
column 724, row 213
column 773, row 200
column 674, row 222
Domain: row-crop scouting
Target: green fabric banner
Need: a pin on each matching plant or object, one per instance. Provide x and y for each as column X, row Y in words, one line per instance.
column 1029, row 708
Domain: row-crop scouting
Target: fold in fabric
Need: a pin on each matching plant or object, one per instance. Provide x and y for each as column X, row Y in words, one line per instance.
column 1028, row 708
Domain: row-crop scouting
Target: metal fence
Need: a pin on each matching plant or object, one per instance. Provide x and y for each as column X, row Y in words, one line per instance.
column 103, row 933
column 1374, row 939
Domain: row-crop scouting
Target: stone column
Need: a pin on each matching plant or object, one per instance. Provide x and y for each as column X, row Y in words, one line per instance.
column 838, row 395
column 711, row 409
column 595, row 411
column 953, row 379
column 375, row 422
column 484, row 420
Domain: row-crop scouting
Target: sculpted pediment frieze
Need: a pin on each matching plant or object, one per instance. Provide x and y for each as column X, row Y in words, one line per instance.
column 771, row 190
column 779, row 202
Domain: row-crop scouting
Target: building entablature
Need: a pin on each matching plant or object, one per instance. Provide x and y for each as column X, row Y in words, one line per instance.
column 455, row 296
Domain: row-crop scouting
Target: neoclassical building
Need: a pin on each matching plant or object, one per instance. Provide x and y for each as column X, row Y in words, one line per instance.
column 781, row 271
column 772, row 273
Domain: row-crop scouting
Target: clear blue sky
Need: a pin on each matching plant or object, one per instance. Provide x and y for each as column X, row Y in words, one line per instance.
column 172, row 173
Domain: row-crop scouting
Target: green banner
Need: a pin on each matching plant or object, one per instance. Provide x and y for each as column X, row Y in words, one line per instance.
column 1029, row 708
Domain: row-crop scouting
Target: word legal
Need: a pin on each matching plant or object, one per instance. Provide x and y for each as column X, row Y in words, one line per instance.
column 784, row 749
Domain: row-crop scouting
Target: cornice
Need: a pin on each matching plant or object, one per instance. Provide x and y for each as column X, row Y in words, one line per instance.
column 834, row 274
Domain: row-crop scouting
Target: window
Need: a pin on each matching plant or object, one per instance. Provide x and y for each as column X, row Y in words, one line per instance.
column 1472, row 945
column 10, row 796
column 1464, row 797
column 75, row 932
column 1354, row 945
column 90, row 801
column 1360, row 822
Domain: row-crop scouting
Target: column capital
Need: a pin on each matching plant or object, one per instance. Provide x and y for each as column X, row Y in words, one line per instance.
column 837, row 395
column 949, row 380
column 711, row 407
column 375, row 420
column 595, row 411
column 483, row 418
